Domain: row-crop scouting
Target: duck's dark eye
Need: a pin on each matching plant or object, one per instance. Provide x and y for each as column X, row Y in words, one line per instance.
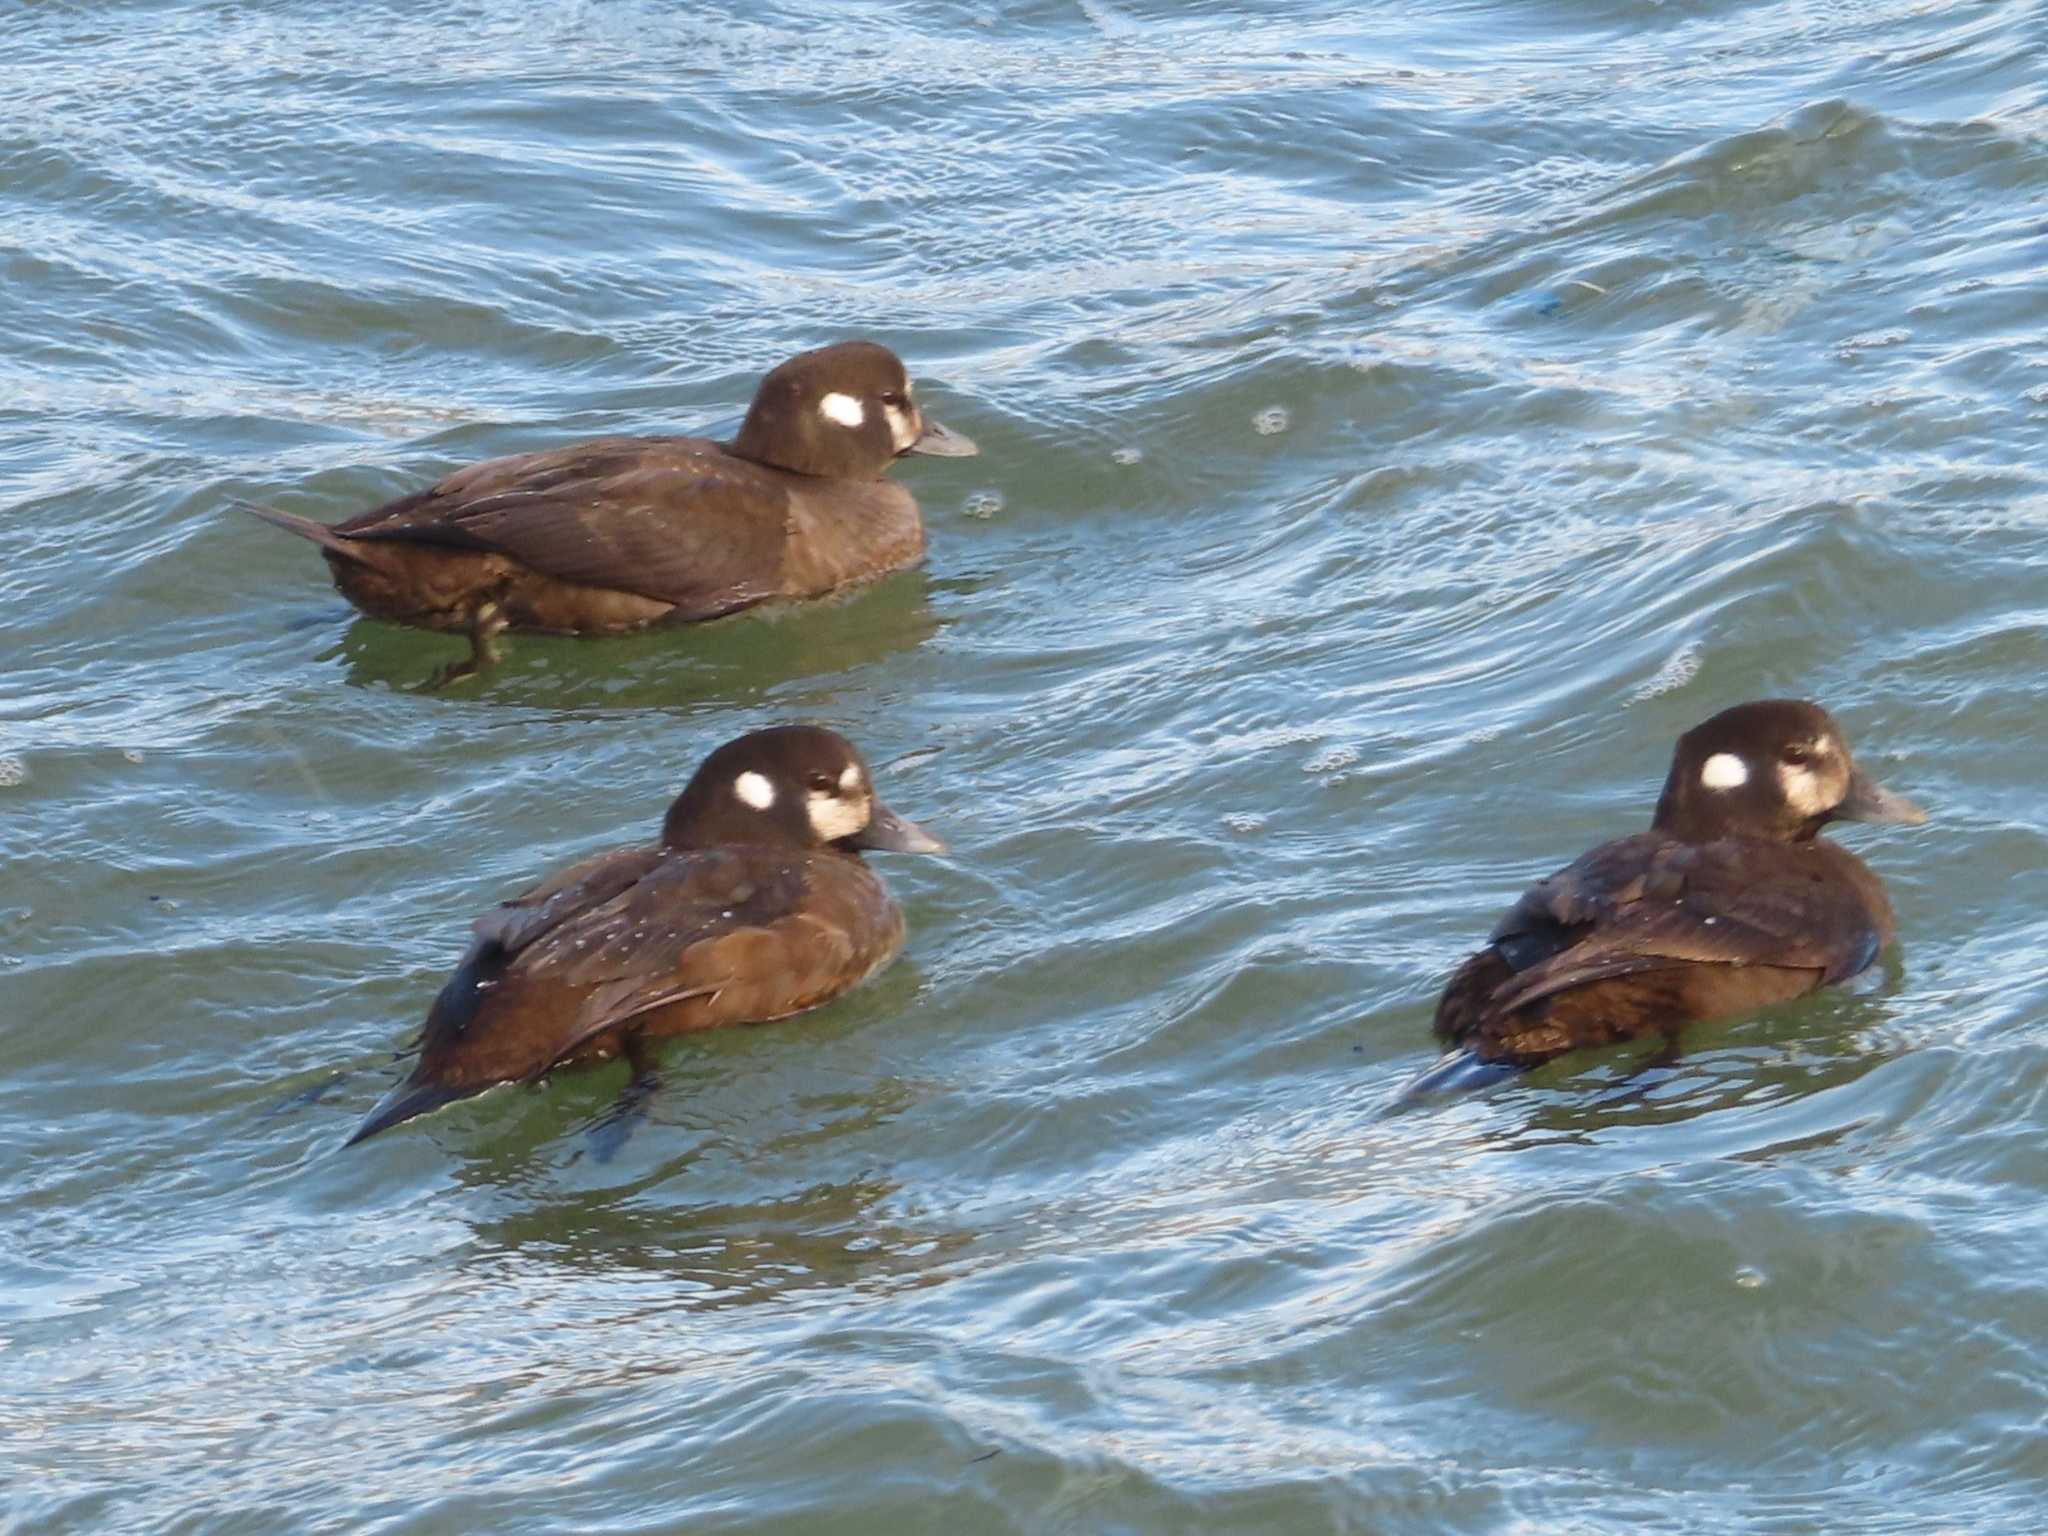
column 1797, row 757
column 824, row 783
column 892, row 398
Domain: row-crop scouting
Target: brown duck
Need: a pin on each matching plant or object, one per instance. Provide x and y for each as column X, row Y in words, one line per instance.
column 1730, row 901
column 754, row 905
column 619, row 533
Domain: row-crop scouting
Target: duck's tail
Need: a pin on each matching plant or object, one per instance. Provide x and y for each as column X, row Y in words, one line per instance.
column 408, row 1100
column 319, row 533
column 1458, row 1072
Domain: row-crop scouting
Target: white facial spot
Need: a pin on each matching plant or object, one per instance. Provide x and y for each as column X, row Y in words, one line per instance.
column 755, row 790
column 843, row 410
column 849, row 777
column 902, row 433
column 833, row 817
column 1803, row 790
column 1724, row 770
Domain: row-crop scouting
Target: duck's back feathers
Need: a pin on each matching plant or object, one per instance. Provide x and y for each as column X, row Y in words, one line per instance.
column 614, row 534
column 665, row 940
column 565, row 895
column 674, row 520
column 1646, row 932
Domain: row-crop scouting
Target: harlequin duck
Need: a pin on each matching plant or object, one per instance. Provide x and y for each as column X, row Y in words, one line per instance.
column 622, row 532
column 754, row 905
column 1730, row 901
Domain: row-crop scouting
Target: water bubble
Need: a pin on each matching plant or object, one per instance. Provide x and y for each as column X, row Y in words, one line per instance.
column 1872, row 341
column 1331, row 759
column 131, row 754
column 1271, row 420
column 1750, row 1278
column 1127, row 455
column 983, row 504
column 13, row 771
column 1245, row 821
column 1674, row 674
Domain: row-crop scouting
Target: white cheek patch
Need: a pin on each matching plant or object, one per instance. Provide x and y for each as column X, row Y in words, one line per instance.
column 843, row 410
column 833, row 818
column 1803, row 791
column 849, row 777
column 1724, row 770
column 755, row 790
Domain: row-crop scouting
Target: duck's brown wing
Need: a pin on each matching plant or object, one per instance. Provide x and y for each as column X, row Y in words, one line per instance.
column 501, row 934
column 738, row 935
column 565, row 895
column 1646, row 904
column 1548, row 918
column 650, row 939
column 674, row 519
column 592, row 947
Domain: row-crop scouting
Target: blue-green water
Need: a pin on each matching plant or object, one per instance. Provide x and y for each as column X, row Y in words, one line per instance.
column 1398, row 423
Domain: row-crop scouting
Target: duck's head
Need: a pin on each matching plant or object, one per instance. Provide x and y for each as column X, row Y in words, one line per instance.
column 797, row 786
column 846, row 411
column 1775, row 768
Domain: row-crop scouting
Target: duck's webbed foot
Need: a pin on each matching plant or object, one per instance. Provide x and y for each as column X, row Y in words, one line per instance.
column 1669, row 1053
column 485, row 625
column 617, row 1123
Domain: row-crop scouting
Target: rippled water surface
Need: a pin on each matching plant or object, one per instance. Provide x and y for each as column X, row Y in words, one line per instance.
column 1399, row 421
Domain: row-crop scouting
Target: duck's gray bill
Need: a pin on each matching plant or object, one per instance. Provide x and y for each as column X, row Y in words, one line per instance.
column 941, row 442
column 894, row 834
column 1869, row 800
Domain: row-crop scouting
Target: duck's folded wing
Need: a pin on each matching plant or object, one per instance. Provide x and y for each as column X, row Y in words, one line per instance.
column 583, row 887
column 1558, row 910
column 503, row 933
column 432, row 515
column 1725, row 903
column 672, row 519
column 725, row 925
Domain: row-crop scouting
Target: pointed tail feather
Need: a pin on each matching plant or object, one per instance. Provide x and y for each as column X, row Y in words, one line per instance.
column 1459, row 1072
column 409, row 1099
column 305, row 528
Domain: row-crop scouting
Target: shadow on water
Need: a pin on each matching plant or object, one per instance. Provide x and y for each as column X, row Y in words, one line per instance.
column 827, row 1238
column 798, row 1103
column 707, row 1239
column 746, row 1182
column 745, row 658
column 1798, row 1052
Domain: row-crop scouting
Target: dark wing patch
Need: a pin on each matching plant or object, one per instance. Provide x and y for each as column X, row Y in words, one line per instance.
column 659, row 940
column 589, row 883
column 656, row 938
column 501, row 933
column 672, row 519
column 1736, row 902
column 423, row 515
column 592, row 947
